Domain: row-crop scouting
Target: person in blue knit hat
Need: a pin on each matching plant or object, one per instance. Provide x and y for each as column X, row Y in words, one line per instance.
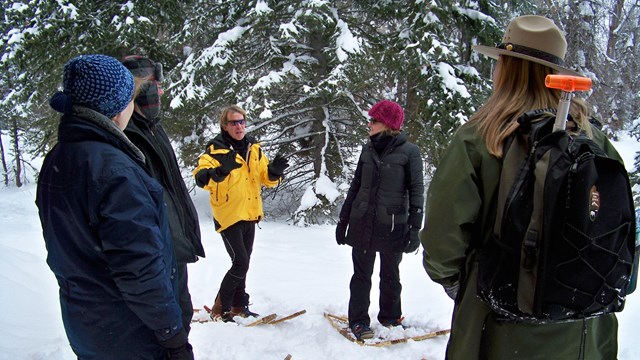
column 105, row 225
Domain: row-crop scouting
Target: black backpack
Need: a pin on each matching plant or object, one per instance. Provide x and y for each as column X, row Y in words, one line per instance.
column 563, row 242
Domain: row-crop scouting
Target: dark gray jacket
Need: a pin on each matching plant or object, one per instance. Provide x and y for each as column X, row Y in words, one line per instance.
column 385, row 198
column 161, row 163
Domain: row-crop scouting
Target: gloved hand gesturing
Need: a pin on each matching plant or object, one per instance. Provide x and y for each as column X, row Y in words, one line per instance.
column 227, row 163
column 341, row 232
column 277, row 166
column 413, row 241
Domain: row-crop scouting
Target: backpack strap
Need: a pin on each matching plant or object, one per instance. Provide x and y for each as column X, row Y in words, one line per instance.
column 516, row 153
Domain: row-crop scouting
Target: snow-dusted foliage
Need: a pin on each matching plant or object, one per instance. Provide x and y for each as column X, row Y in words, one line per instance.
column 306, row 71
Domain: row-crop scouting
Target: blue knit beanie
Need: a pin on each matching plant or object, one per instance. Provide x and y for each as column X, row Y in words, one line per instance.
column 98, row 82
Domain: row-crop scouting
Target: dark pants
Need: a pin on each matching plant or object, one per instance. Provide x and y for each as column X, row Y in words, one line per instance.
column 390, row 287
column 184, row 298
column 238, row 240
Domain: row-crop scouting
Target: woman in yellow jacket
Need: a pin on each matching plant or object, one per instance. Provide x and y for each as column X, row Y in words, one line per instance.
column 234, row 169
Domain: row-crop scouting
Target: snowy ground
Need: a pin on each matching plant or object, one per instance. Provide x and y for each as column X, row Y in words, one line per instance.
column 292, row 269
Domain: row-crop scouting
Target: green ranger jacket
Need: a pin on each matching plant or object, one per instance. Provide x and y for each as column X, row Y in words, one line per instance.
column 458, row 219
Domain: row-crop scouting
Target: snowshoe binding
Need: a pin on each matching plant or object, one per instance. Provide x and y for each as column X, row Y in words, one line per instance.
column 393, row 323
column 362, row 331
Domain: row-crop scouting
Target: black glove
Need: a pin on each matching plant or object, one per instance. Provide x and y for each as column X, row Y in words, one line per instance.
column 341, row 232
column 184, row 352
column 277, row 166
column 452, row 290
column 178, row 347
column 227, row 162
column 413, row 243
column 203, row 176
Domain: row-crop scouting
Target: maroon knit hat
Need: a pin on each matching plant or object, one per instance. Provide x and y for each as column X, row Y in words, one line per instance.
column 389, row 113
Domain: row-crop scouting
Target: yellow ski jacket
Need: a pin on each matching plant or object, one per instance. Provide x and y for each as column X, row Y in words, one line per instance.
column 236, row 197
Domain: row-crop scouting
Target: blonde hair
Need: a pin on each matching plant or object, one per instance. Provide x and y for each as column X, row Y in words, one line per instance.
column 229, row 109
column 137, row 81
column 519, row 87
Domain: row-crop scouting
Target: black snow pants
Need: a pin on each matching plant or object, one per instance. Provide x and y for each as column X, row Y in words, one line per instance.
column 238, row 240
column 390, row 287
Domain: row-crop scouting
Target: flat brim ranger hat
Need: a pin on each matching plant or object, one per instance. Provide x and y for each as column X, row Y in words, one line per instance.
column 533, row 38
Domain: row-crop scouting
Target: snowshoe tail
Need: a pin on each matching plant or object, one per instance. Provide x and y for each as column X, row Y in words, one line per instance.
column 430, row 335
column 263, row 320
column 294, row 315
column 414, row 338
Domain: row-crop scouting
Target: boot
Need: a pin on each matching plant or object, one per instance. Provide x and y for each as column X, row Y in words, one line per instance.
column 243, row 311
column 227, row 316
column 362, row 331
column 393, row 323
column 216, row 309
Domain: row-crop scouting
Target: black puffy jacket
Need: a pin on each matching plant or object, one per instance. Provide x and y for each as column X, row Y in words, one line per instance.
column 385, row 198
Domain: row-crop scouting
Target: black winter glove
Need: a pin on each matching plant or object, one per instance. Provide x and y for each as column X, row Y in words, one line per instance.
column 184, row 352
column 178, row 347
column 203, row 176
column 413, row 243
column 227, row 163
column 452, row 290
column 341, row 232
column 277, row 166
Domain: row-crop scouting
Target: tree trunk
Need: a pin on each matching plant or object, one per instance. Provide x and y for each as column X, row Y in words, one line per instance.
column 16, row 151
column 411, row 112
column 5, row 170
column 318, row 43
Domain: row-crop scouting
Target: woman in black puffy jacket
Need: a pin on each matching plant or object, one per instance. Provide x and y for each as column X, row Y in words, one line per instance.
column 382, row 213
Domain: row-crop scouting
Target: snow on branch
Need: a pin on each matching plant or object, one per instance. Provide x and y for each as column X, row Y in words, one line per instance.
column 323, row 188
column 217, row 54
column 451, row 81
column 346, row 42
column 275, row 77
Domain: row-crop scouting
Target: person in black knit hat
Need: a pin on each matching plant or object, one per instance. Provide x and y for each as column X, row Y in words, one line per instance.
column 105, row 225
column 147, row 133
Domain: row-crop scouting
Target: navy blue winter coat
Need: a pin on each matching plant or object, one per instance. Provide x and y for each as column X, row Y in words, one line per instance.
column 105, row 228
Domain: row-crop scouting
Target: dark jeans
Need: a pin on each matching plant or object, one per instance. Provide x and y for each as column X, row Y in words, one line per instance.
column 390, row 287
column 238, row 240
column 184, row 298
